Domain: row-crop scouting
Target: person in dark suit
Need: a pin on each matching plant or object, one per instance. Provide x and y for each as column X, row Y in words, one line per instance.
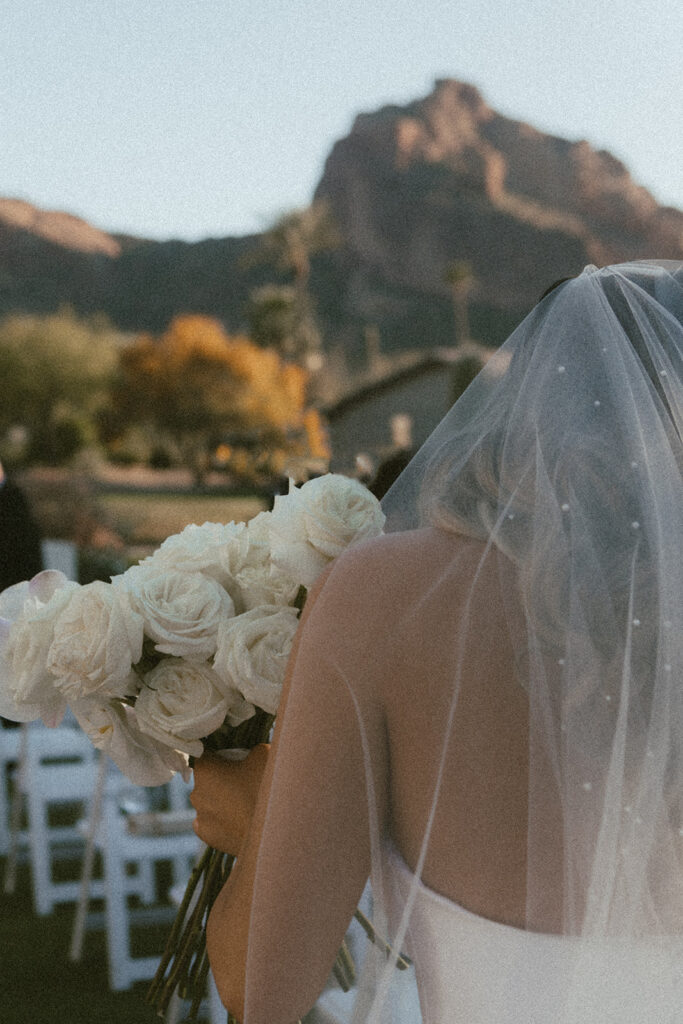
column 20, row 551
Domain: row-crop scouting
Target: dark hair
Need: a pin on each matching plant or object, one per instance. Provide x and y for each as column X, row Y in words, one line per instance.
column 390, row 470
column 554, row 285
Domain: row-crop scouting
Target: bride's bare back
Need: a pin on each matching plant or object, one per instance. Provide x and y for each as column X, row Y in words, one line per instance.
column 407, row 599
column 477, row 849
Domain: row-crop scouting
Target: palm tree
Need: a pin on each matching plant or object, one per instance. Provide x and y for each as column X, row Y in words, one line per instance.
column 459, row 275
column 290, row 243
column 297, row 236
column 272, row 315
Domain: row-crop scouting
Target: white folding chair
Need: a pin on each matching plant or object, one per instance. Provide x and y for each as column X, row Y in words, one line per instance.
column 10, row 754
column 61, row 555
column 139, row 839
column 139, row 880
column 56, row 767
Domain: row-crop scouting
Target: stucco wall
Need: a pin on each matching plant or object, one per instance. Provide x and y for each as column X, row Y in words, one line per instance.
column 365, row 425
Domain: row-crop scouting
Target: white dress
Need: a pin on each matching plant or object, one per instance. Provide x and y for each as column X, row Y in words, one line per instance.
column 471, row 970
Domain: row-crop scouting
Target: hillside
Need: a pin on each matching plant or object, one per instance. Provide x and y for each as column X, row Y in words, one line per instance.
column 448, row 178
column 412, row 188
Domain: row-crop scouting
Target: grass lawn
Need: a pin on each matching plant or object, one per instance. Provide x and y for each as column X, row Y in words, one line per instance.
column 39, row 984
column 144, row 518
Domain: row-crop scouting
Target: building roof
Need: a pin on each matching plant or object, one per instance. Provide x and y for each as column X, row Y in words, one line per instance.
column 395, row 370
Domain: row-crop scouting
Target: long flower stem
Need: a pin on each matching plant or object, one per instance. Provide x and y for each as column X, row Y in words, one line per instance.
column 344, row 968
column 199, row 981
column 180, row 918
column 187, row 939
column 403, row 962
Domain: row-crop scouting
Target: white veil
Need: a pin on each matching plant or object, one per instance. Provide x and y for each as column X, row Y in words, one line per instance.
column 562, row 463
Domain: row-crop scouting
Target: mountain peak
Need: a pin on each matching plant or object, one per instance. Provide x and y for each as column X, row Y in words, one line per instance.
column 447, row 177
column 62, row 229
column 412, row 188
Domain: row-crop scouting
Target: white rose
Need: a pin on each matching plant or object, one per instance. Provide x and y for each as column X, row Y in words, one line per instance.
column 97, row 640
column 13, row 599
column 236, row 549
column 112, row 728
column 181, row 610
column 30, row 610
column 252, row 653
column 314, row 523
column 265, row 586
column 197, row 549
column 251, row 577
column 180, row 703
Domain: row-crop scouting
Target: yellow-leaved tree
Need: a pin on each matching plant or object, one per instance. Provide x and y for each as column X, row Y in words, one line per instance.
column 206, row 389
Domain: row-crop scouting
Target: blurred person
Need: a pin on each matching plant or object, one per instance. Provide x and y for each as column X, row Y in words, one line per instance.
column 20, row 550
column 389, row 471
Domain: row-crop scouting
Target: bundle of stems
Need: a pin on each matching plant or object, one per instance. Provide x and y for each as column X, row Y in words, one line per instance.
column 184, row 965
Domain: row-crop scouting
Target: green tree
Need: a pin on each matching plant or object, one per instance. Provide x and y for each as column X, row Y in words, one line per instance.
column 272, row 316
column 56, row 370
column 289, row 244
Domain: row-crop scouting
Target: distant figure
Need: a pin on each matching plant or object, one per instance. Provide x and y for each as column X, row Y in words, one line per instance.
column 20, row 553
column 390, row 470
column 279, row 486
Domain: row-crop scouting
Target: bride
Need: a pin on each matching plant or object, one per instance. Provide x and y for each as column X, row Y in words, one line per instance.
column 484, row 708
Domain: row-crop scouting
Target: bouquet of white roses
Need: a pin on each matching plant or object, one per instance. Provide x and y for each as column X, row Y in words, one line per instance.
column 186, row 649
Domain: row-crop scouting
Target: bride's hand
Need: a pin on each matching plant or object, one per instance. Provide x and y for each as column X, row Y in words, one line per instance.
column 224, row 797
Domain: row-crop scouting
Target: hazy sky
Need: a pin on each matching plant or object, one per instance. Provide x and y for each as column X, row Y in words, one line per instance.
column 188, row 118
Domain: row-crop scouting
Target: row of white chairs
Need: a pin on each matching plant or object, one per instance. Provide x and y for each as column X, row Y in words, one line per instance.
column 124, row 823
column 52, row 768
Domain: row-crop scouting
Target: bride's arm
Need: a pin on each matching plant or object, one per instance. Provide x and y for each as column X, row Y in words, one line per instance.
column 307, row 850
column 224, row 797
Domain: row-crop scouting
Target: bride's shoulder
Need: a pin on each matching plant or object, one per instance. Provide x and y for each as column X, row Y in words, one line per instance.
column 395, row 559
column 430, row 541
column 369, row 591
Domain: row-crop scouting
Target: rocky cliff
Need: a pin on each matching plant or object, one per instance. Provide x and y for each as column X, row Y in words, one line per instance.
column 48, row 259
column 412, row 189
column 447, row 178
